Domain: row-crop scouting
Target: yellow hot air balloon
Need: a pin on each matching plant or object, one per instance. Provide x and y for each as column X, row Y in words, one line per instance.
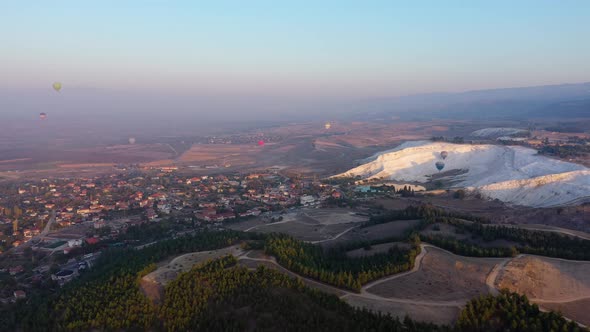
column 57, row 86
column 328, row 125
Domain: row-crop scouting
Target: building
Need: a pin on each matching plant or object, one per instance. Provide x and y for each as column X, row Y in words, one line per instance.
column 307, row 200
column 64, row 275
column 20, row 294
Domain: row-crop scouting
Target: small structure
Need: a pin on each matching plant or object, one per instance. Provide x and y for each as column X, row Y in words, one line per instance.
column 307, row 200
column 20, row 294
column 63, row 276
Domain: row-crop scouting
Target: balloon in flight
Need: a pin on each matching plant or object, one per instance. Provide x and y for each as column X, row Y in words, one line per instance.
column 131, row 140
column 43, row 116
column 444, row 154
column 261, row 143
column 328, row 125
column 439, row 165
column 57, row 86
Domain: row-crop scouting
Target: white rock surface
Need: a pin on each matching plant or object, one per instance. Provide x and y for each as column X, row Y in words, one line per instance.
column 511, row 174
column 496, row 132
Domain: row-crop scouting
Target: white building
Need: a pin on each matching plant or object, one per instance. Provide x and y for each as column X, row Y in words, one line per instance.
column 307, row 200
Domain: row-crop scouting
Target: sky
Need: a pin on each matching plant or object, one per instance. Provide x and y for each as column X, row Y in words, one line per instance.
column 292, row 50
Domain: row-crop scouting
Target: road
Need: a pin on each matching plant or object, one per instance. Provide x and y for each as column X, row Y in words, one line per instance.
column 48, row 226
column 547, row 228
column 363, row 293
column 493, row 275
column 335, row 237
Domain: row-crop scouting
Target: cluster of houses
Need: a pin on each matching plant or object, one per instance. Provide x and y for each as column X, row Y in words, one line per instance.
column 152, row 196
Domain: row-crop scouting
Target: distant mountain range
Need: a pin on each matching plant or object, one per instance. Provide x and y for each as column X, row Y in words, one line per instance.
column 550, row 101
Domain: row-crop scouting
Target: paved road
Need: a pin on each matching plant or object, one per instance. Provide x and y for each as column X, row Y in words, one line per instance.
column 48, row 226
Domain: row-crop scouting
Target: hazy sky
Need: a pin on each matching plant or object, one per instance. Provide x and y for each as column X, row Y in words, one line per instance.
column 315, row 48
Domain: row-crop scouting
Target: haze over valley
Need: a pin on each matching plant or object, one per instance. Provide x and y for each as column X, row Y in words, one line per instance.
column 302, row 166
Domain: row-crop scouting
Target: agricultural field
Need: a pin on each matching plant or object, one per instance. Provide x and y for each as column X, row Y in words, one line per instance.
column 442, row 276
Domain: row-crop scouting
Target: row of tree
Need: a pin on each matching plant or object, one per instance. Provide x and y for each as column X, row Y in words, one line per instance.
column 334, row 267
column 220, row 296
column 510, row 312
column 424, row 211
column 543, row 243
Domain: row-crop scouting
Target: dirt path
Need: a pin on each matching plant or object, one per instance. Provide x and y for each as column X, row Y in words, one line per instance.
column 269, row 224
column 493, row 275
column 417, row 266
column 335, row 237
column 364, row 294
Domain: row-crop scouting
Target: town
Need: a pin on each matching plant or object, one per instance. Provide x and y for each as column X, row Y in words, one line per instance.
column 52, row 230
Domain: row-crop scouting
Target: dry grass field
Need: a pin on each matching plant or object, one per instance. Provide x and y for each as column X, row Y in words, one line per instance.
column 169, row 271
column 576, row 310
column 554, row 284
column 152, row 285
column 207, row 153
column 441, row 277
column 547, row 279
column 446, row 230
column 393, row 229
column 313, row 225
column 424, row 313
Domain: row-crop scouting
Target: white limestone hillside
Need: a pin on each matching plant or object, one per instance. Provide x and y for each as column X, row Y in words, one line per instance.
column 512, row 174
column 496, row 132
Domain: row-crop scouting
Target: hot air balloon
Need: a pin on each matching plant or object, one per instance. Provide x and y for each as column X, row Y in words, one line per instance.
column 43, row 116
column 444, row 154
column 439, row 165
column 131, row 140
column 328, row 125
column 57, row 86
column 261, row 143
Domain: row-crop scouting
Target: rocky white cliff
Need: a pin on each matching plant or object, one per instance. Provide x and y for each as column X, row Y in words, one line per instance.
column 512, row 174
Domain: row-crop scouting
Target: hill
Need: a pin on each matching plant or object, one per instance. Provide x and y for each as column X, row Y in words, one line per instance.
column 511, row 174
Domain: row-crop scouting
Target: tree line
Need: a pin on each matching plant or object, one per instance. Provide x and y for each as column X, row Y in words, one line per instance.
column 334, row 267
column 220, row 295
column 542, row 243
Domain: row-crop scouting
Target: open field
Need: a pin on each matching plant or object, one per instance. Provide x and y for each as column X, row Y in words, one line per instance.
column 420, row 312
column 218, row 153
column 169, row 271
column 332, row 216
column 305, row 232
column 152, row 285
column 441, row 277
column 392, row 229
column 547, row 279
column 451, row 231
column 566, row 217
column 313, row 225
column 554, row 284
column 576, row 310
